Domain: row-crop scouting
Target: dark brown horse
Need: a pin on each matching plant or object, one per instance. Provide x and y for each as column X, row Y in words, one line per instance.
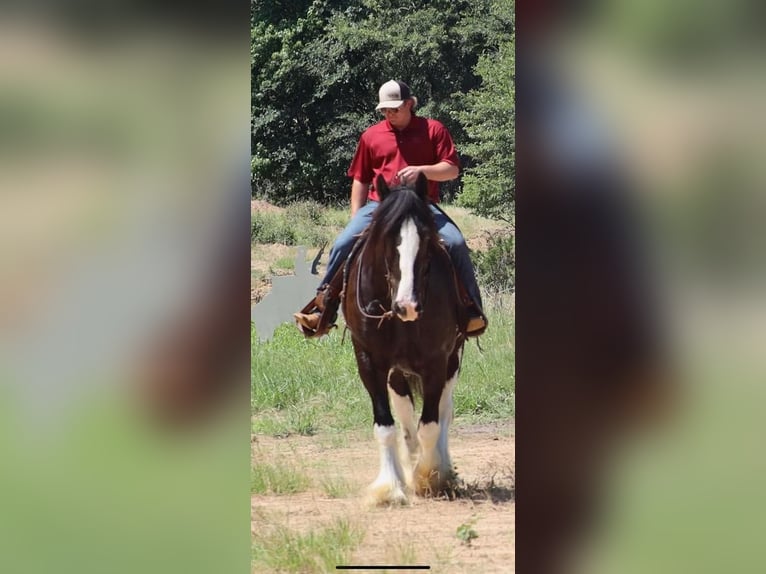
column 405, row 315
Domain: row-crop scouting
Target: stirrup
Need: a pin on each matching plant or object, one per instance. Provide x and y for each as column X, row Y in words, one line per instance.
column 325, row 306
column 323, row 324
column 307, row 322
column 477, row 321
column 476, row 326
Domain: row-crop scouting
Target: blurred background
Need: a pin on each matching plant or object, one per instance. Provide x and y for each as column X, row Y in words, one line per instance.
column 661, row 104
column 124, row 167
column 124, row 176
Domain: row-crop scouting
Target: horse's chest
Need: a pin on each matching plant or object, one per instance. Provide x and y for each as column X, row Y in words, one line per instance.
column 414, row 353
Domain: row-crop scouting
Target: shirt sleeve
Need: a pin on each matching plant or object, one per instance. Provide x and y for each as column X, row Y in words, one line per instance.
column 361, row 165
column 444, row 148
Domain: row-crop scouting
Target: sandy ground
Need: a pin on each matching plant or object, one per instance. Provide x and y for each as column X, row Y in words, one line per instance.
column 423, row 532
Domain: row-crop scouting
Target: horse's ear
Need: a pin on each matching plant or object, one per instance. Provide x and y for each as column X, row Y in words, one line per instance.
column 381, row 187
column 421, row 186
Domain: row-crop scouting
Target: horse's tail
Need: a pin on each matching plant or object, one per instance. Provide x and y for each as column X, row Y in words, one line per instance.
column 415, row 383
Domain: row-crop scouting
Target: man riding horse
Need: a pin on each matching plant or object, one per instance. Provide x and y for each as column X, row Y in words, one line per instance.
column 398, row 148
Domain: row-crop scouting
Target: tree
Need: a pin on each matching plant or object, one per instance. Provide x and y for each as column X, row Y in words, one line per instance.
column 316, row 69
column 487, row 115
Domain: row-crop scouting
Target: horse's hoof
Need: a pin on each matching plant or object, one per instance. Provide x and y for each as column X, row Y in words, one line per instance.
column 426, row 484
column 432, row 483
column 386, row 495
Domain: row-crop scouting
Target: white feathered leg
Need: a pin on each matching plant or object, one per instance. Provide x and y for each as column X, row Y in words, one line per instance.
column 388, row 487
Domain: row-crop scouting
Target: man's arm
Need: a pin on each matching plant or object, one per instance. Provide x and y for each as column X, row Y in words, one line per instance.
column 442, row 171
column 359, row 192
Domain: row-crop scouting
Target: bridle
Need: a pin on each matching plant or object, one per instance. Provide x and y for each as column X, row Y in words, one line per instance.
column 387, row 313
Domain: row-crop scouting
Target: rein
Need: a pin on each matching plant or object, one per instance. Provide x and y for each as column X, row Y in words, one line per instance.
column 387, row 314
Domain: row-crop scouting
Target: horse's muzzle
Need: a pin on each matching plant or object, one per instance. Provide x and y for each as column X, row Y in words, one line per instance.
column 407, row 311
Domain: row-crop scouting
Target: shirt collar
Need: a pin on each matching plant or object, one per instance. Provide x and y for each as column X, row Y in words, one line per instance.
column 410, row 125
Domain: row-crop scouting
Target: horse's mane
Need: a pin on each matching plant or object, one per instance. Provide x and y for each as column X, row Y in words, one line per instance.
column 401, row 203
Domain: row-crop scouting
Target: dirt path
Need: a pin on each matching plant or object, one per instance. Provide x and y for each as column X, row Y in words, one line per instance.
column 421, row 533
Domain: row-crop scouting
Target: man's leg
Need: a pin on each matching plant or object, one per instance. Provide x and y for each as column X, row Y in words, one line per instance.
column 461, row 259
column 344, row 243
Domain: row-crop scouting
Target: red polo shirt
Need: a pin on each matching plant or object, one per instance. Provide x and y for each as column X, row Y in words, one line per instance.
column 385, row 150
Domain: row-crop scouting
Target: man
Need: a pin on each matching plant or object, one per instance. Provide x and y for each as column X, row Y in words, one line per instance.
column 399, row 148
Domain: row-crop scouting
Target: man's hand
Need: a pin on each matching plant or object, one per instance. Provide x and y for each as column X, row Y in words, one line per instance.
column 442, row 171
column 409, row 174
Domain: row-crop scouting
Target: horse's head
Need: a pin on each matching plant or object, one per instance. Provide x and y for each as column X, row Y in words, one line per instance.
column 403, row 226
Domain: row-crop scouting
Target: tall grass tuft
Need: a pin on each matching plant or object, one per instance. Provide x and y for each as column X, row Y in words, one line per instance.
column 268, row 478
column 336, row 487
column 280, row 549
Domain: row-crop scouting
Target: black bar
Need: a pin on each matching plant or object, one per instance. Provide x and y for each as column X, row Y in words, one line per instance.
column 382, row 567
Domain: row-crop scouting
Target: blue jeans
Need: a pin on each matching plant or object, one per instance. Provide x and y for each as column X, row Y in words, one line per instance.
column 448, row 231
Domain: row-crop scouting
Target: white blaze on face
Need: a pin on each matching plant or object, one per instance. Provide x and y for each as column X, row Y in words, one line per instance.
column 408, row 250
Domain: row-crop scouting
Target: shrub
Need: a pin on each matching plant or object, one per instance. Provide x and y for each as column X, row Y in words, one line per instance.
column 303, row 223
column 271, row 228
column 303, row 212
column 496, row 267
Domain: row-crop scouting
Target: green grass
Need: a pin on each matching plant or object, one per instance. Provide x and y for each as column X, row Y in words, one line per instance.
column 283, row 264
column 486, row 388
column 300, row 386
column 466, row 532
column 277, row 479
column 335, row 487
column 280, row 549
column 305, row 387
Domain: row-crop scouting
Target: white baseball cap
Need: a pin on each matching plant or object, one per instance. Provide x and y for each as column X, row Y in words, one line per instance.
column 393, row 94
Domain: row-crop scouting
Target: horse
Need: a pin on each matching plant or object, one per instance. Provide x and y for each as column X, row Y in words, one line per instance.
column 403, row 309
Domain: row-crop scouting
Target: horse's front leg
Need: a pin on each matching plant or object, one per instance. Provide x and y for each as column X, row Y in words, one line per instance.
column 388, row 487
column 434, row 471
column 404, row 407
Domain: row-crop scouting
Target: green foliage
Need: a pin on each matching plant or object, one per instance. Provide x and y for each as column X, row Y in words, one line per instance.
column 305, row 211
column 316, row 69
column 302, row 223
column 487, row 114
column 266, row 228
column 496, row 266
column 465, row 532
